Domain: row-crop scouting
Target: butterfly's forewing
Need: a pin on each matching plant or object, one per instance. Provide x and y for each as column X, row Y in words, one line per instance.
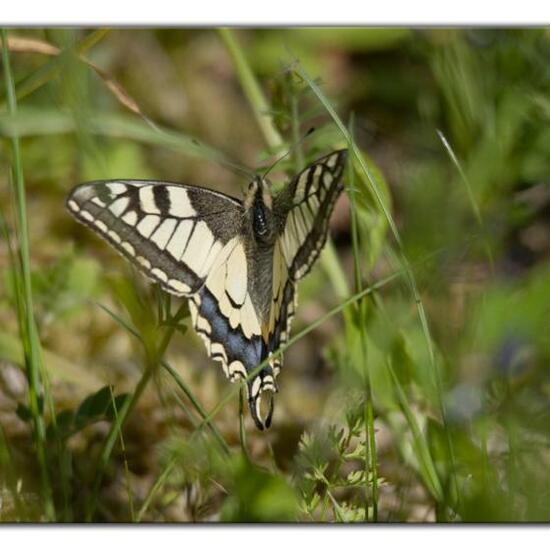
column 172, row 232
column 307, row 204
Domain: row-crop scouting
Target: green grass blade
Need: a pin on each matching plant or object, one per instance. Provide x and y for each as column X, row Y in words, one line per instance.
column 115, row 433
column 25, row 314
column 160, row 481
column 43, row 122
column 377, row 195
column 370, row 446
column 52, row 68
column 471, row 197
column 197, row 404
column 427, row 467
column 230, row 394
column 242, row 429
column 126, row 469
column 177, row 378
column 252, row 90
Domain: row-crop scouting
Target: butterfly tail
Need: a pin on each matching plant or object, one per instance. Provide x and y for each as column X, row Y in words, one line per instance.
column 255, row 404
column 263, row 382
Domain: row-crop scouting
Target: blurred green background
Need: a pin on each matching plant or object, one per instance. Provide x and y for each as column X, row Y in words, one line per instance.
column 448, row 362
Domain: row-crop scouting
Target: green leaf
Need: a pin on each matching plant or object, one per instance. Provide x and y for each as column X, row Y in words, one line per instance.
column 64, row 425
column 112, row 409
column 64, row 422
column 258, row 496
column 23, row 412
column 94, row 406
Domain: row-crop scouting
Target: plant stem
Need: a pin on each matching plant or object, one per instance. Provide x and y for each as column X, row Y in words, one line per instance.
column 252, row 89
column 198, row 406
column 471, row 197
column 178, row 379
column 334, row 311
column 295, row 118
column 156, row 486
column 114, row 431
column 126, row 469
column 153, row 358
column 422, row 451
column 242, row 430
column 26, row 312
column 373, row 463
column 370, row 439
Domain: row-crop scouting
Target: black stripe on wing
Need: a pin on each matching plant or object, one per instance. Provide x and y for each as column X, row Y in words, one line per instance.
column 171, row 232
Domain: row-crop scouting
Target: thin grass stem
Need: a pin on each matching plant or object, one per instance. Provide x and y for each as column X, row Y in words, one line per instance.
column 159, row 482
column 52, row 68
column 422, row 452
column 252, row 90
column 29, row 337
column 471, row 197
column 370, row 438
column 126, row 469
column 177, row 378
column 153, row 358
column 127, row 406
column 371, row 463
column 334, row 311
column 295, row 118
column 242, row 428
column 377, row 195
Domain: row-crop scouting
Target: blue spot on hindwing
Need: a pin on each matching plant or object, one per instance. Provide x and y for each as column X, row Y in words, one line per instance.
column 237, row 346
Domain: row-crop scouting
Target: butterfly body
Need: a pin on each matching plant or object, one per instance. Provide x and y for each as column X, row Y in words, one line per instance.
column 238, row 262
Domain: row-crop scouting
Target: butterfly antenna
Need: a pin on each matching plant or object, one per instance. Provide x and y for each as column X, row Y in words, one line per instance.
column 236, row 169
column 301, row 140
column 222, row 161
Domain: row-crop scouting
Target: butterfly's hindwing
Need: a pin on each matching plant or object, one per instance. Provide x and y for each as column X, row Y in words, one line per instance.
column 284, row 298
column 227, row 321
column 171, row 232
column 303, row 209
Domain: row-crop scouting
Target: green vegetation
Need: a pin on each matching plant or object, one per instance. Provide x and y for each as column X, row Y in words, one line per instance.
column 416, row 384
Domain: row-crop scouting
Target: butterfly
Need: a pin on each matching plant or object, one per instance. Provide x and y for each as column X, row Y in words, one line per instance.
column 237, row 262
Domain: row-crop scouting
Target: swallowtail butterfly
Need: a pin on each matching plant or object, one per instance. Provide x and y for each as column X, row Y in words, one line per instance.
column 237, row 262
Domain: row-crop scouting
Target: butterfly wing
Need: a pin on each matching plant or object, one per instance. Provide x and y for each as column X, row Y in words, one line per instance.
column 171, row 232
column 305, row 207
column 188, row 239
column 224, row 316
